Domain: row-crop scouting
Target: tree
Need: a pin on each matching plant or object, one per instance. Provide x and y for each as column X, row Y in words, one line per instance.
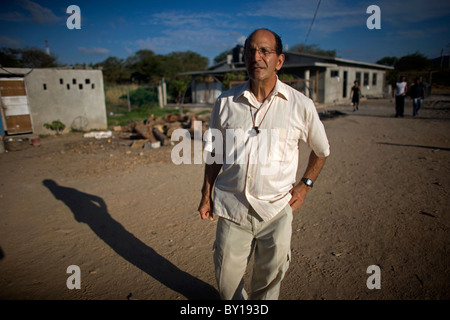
column 415, row 61
column 143, row 66
column 222, row 56
column 27, row 58
column 184, row 62
column 178, row 87
column 146, row 67
column 178, row 62
column 313, row 49
column 37, row 58
column 10, row 58
column 233, row 76
column 114, row 70
column 142, row 96
column 388, row 61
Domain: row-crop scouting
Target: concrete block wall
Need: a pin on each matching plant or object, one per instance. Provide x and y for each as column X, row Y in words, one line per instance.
column 75, row 97
column 333, row 85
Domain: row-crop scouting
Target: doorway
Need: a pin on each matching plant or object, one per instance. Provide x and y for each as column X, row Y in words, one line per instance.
column 15, row 106
column 344, row 89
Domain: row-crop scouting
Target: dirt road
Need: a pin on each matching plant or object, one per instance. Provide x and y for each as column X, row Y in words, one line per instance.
column 127, row 217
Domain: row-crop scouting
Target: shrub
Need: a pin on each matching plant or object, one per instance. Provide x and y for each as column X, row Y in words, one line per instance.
column 56, row 125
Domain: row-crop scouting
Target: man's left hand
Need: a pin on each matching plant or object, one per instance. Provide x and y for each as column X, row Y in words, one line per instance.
column 298, row 195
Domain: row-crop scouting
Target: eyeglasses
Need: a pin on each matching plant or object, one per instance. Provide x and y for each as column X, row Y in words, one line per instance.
column 263, row 52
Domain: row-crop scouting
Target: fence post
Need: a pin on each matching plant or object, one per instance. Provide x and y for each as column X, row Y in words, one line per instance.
column 128, row 99
column 164, row 92
column 160, row 96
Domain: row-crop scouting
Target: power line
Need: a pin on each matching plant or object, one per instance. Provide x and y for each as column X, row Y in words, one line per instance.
column 312, row 22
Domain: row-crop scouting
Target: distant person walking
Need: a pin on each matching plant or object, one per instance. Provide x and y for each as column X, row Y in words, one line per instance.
column 355, row 94
column 400, row 90
column 417, row 95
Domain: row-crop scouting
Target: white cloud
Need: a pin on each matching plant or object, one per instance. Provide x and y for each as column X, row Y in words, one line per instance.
column 207, row 41
column 12, row 16
column 39, row 15
column 128, row 50
column 148, row 43
column 207, row 32
column 8, row 42
column 96, row 51
column 241, row 40
column 174, row 19
column 197, row 20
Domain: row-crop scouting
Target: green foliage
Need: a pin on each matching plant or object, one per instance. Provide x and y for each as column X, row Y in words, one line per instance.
column 27, row 58
column 388, row 61
column 233, row 76
column 286, row 77
column 222, row 56
column 10, row 58
column 415, row 61
column 114, row 70
column 177, row 62
column 177, row 88
column 392, row 76
column 139, row 114
column 313, row 49
column 56, row 125
column 142, row 96
column 145, row 67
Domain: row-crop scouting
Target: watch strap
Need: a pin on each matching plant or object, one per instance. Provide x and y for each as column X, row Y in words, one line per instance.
column 307, row 182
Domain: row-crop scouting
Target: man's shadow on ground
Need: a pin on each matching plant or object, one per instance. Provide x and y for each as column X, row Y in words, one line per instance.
column 92, row 210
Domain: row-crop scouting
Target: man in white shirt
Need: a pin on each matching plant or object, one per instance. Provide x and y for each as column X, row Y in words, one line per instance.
column 400, row 90
column 261, row 122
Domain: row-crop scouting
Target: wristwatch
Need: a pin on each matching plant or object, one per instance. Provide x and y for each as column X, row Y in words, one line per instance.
column 308, row 182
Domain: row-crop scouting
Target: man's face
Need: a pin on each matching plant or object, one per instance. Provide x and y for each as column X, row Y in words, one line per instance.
column 261, row 60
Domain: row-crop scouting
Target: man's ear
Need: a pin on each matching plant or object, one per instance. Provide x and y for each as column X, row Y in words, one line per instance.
column 280, row 62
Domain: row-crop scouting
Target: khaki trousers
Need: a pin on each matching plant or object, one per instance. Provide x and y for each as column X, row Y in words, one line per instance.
column 271, row 243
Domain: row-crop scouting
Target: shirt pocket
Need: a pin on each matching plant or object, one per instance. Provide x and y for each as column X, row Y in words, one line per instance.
column 283, row 144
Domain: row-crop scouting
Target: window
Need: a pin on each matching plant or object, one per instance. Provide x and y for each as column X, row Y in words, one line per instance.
column 68, row 86
column 87, row 81
column 374, row 79
column 80, row 86
column 334, row 73
column 61, row 81
column 45, row 86
column 74, row 81
column 358, row 77
column 366, row 78
column 92, row 86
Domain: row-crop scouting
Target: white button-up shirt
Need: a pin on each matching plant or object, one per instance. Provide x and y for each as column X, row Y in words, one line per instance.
column 260, row 169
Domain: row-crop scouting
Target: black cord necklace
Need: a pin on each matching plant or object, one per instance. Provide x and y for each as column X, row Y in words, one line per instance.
column 256, row 127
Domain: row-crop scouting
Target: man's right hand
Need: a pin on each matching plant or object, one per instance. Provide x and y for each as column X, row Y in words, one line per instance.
column 205, row 208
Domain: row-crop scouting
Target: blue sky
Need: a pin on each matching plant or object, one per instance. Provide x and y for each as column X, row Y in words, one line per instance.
column 120, row 28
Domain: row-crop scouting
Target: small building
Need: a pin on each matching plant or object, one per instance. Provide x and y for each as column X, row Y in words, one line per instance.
column 326, row 80
column 30, row 98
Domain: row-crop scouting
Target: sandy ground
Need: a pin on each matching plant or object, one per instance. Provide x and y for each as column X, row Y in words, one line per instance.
column 128, row 217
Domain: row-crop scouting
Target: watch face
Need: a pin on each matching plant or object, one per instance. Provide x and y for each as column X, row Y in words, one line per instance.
column 308, row 182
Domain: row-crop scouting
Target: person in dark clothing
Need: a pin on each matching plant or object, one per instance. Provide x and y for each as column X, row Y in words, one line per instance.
column 417, row 93
column 355, row 94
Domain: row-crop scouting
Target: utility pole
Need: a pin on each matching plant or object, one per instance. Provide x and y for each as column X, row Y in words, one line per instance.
column 47, row 49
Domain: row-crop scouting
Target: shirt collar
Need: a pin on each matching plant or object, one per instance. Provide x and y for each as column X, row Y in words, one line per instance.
column 279, row 90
